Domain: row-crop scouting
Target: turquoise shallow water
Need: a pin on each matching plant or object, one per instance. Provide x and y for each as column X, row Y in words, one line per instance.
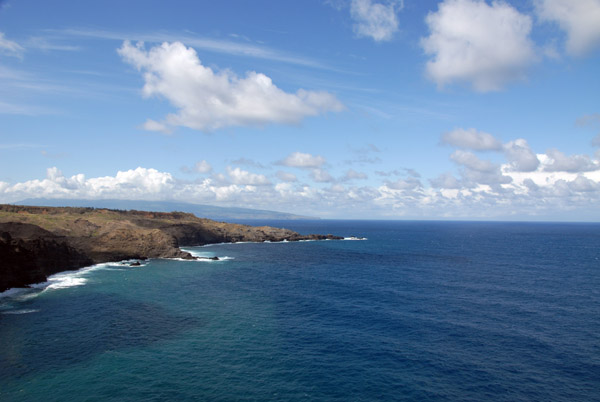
column 419, row 311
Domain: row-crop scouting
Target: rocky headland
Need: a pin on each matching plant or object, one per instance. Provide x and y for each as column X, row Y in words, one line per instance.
column 36, row 242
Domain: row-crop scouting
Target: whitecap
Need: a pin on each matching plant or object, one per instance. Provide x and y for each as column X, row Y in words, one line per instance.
column 12, row 292
column 355, row 238
column 61, row 280
column 69, row 279
column 21, row 311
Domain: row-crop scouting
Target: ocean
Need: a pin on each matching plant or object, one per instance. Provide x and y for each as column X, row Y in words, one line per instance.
column 416, row 311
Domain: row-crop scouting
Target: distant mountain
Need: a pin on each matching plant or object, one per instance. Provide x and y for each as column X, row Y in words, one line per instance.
column 200, row 210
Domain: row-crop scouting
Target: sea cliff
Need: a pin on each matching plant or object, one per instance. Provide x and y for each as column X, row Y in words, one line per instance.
column 36, row 242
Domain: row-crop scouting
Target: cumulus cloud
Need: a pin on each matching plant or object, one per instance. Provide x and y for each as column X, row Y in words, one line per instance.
column 583, row 184
column 518, row 153
column 302, row 160
column 207, row 100
column 202, row 167
column 375, row 20
column 286, row 176
column 446, row 180
column 592, row 120
column 321, row 176
column 152, row 125
column 364, row 155
column 404, row 184
column 520, row 156
column 557, row 161
column 136, row 183
column 471, row 139
column 485, row 45
column 527, row 194
column 247, row 162
column 10, row 47
column 199, row 167
column 580, row 19
column 478, row 171
column 243, row 177
column 352, row 174
column 472, row 162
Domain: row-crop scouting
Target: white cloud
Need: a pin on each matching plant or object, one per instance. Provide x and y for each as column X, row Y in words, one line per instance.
column 580, row 19
column 199, row 167
column 247, row 162
column 321, row 176
column 136, row 183
column 520, row 156
column 583, row 184
column 10, row 47
column 302, row 160
column 526, row 195
column 557, row 161
column 592, row 120
column 471, row 139
column 152, row 125
column 517, row 152
column 473, row 42
column 139, row 181
column 375, row 20
column 471, row 161
column 352, row 174
column 286, row 176
column 243, row 177
column 208, row 100
column 202, row 167
column 560, row 184
column 478, row 171
column 447, row 181
column 404, row 184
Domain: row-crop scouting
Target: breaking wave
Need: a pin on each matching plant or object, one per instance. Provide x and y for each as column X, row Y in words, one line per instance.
column 21, row 311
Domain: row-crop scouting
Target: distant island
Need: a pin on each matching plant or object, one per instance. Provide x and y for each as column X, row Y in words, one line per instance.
column 36, row 242
column 228, row 214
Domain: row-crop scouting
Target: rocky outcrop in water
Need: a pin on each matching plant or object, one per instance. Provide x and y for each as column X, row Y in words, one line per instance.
column 39, row 241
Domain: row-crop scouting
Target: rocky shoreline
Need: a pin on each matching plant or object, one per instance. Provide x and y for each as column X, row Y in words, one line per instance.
column 36, row 242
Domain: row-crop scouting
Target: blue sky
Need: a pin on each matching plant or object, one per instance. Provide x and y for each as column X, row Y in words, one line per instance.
column 455, row 109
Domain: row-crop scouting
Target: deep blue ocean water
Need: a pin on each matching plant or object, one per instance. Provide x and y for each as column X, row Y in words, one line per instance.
column 437, row 311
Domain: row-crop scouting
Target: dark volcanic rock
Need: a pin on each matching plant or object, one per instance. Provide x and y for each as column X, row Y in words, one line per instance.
column 34, row 255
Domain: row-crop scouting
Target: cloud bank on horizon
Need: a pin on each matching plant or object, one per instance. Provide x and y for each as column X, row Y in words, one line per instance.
column 480, row 111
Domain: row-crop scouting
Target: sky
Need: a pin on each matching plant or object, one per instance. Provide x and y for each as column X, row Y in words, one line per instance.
column 344, row 109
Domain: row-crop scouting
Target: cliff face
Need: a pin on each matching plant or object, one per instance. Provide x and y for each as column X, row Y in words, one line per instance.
column 38, row 241
column 29, row 254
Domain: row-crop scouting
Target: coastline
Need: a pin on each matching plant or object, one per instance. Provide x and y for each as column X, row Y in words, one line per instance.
column 36, row 242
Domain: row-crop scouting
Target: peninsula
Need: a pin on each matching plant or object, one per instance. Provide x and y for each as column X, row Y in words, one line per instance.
column 36, row 242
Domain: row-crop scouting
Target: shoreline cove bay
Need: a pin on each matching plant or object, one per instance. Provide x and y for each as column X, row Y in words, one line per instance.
column 39, row 241
column 419, row 310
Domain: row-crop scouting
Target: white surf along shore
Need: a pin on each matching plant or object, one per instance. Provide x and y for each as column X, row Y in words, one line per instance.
column 80, row 277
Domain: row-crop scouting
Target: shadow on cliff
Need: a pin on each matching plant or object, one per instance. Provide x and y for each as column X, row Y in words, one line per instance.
column 72, row 330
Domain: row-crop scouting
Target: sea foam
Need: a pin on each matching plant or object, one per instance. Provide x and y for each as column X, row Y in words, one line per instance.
column 21, row 311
